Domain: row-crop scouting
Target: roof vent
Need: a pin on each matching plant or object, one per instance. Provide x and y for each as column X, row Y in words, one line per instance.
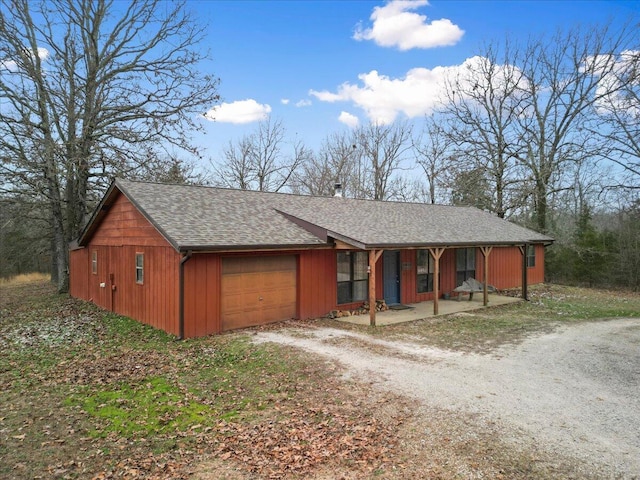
column 337, row 190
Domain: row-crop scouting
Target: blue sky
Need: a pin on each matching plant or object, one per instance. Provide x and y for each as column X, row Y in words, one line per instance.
column 325, row 66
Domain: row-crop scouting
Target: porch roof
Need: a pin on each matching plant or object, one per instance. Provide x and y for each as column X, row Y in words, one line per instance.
column 208, row 218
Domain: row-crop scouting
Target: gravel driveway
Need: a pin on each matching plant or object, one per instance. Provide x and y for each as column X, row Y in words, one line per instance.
column 575, row 391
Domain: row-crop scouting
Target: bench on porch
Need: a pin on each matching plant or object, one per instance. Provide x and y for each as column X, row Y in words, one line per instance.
column 471, row 286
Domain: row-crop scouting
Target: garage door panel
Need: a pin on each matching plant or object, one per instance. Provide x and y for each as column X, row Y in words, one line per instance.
column 258, row 290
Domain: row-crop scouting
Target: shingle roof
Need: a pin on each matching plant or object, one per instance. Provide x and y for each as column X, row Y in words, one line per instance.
column 193, row 217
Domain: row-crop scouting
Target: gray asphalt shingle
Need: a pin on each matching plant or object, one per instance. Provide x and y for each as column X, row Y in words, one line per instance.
column 193, row 216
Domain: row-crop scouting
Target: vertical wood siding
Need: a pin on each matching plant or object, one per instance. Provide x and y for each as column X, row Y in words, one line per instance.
column 123, row 233
column 202, row 273
column 317, row 280
column 79, row 269
column 505, row 267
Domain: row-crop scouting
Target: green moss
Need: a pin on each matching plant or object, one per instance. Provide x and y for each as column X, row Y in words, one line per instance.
column 150, row 408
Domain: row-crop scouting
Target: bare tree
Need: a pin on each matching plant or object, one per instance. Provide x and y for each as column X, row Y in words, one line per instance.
column 381, row 149
column 90, row 89
column 335, row 162
column 172, row 169
column 237, row 170
column 259, row 162
column 433, row 151
column 620, row 109
column 560, row 91
column 483, row 105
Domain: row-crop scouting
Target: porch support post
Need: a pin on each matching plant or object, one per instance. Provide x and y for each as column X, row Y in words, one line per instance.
column 485, row 253
column 373, row 258
column 436, row 253
column 523, row 251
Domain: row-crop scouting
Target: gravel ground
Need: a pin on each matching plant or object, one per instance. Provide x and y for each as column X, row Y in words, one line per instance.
column 575, row 391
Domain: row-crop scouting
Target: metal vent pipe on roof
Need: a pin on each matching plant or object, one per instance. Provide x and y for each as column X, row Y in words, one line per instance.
column 337, row 190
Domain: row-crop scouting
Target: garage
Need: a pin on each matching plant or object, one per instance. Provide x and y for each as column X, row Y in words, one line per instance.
column 258, row 290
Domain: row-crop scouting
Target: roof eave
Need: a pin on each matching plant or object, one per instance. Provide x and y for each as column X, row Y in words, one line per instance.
column 250, row 248
column 388, row 246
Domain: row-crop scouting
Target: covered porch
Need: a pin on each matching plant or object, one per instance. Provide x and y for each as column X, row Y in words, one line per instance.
column 436, row 253
column 422, row 310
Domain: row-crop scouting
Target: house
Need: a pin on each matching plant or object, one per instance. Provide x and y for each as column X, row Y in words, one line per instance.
column 195, row 260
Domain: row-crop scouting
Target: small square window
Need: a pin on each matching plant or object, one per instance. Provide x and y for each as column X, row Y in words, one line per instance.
column 140, row 268
column 94, row 262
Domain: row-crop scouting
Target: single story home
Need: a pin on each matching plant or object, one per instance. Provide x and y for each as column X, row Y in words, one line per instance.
column 195, row 260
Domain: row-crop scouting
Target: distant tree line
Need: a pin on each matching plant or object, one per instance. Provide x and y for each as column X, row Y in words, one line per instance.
column 544, row 133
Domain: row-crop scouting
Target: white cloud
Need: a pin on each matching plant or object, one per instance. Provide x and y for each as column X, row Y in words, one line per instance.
column 612, row 69
column 303, row 103
column 348, row 119
column 383, row 98
column 12, row 65
column 284, row 101
column 395, row 25
column 242, row 111
column 418, row 93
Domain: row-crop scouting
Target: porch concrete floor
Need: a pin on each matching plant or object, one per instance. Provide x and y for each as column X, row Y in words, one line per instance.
column 418, row 311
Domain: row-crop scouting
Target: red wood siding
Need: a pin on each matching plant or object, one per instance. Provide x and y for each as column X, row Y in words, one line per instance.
column 202, row 274
column 125, row 225
column 505, row 267
column 79, row 268
column 317, row 280
column 123, row 233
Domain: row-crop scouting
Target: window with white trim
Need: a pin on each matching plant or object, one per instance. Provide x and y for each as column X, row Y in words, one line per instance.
column 140, row 268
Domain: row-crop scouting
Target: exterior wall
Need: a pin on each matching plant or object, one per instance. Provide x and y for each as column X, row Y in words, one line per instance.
column 505, row 267
column 79, row 268
column 317, row 290
column 123, row 233
column 317, row 283
column 505, row 271
column 202, row 275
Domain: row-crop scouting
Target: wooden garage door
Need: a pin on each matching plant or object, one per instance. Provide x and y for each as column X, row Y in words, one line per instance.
column 257, row 290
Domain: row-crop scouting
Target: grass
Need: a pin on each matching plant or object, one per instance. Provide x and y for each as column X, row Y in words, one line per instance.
column 24, row 278
column 88, row 393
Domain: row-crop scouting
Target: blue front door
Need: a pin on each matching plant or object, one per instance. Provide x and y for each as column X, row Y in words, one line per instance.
column 391, row 276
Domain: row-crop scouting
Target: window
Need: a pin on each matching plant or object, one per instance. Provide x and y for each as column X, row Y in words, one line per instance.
column 531, row 255
column 425, row 267
column 94, row 262
column 465, row 264
column 140, row 268
column 353, row 276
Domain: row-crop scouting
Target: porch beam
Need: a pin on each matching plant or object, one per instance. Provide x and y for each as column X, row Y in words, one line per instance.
column 373, row 258
column 436, row 253
column 486, row 251
column 523, row 252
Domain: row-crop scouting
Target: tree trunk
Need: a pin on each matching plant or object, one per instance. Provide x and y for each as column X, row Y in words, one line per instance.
column 541, row 210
